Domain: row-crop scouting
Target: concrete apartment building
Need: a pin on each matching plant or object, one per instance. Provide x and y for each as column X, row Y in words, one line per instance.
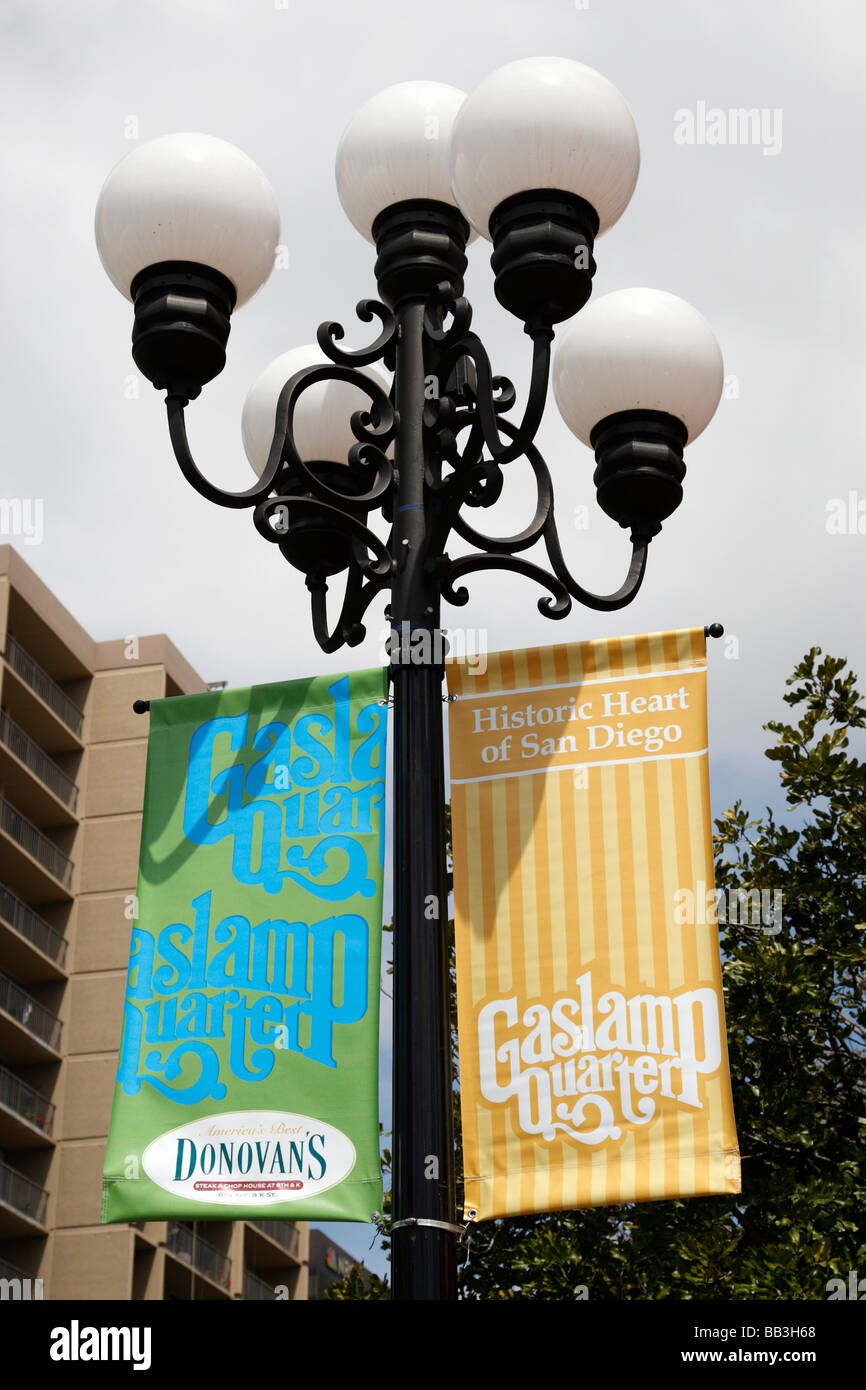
column 72, row 762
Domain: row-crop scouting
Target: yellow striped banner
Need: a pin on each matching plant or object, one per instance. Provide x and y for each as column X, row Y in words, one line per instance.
column 593, row 1059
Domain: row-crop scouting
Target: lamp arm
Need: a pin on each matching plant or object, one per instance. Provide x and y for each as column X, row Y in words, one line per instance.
column 480, row 483
column 555, row 605
column 373, row 438
column 561, row 583
column 604, row 603
column 488, row 406
column 348, row 630
column 175, row 406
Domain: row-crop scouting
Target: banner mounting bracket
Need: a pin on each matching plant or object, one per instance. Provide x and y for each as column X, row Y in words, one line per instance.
column 427, row 1221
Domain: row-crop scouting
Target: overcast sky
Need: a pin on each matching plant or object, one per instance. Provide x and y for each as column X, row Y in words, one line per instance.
column 765, row 239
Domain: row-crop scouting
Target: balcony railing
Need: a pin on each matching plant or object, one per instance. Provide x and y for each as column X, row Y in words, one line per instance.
column 22, row 1195
column 34, row 757
column 198, row 1253
column 27, row 1010
column 256, row 1288
column 17, row 1285
column 285, row 1233
column 35, row 843
column 25, row 1285
column 48, row 690
column 29, row 924
column 26, row 1102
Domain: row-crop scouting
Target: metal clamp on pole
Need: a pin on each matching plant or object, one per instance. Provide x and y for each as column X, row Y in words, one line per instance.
column 426, row 1221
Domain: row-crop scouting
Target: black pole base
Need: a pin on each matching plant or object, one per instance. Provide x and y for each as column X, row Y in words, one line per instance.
column 640, row 469
column 420, row 244
column 542, row 254
column 182, row 322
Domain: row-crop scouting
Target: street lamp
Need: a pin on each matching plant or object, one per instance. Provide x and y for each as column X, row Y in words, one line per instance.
column 540, row 159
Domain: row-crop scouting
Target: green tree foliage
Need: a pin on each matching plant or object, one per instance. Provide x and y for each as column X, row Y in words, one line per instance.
column 796, row 1024
column 358, row 1283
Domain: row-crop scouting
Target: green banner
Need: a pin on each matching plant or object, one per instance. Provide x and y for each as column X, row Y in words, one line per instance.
column 248, row 1068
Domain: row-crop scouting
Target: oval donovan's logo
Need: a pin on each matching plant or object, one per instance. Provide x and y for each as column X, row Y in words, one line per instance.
column 249, row 1157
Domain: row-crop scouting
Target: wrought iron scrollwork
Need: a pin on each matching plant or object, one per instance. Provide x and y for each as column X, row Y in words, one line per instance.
column 476, row 481
column 469, row 445
column 330, row 333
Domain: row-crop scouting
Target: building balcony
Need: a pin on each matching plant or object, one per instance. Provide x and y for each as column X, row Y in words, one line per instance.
column 23, row 1205
column 39, row 785
column 39, row 701
column 28, row 1031
column 26, row 1117
column 17, row 1285
column 32, row 864
column 255, row 1289
column 193, row 1250
column 29, row 946
column 282, row 1238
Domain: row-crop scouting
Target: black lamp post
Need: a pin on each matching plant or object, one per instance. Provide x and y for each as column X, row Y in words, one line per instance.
column 541, row 157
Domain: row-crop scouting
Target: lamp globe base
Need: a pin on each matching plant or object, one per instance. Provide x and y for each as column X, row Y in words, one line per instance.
column 421, row 244
column 313, row 541
column 542, row 254
column 182, row 322
column 640, row 469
